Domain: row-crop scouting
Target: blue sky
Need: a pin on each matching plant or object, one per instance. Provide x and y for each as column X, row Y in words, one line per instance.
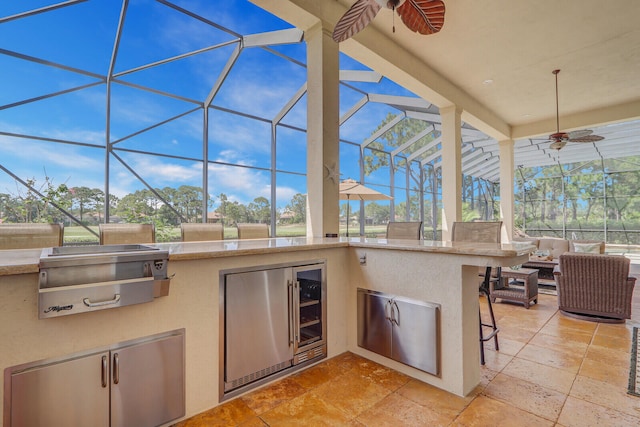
column 82, row 37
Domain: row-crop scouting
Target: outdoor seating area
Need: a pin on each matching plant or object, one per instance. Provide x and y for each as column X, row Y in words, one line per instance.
column 549, row 249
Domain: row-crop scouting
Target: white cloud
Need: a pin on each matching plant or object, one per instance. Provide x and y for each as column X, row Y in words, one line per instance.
column 26, row 154
column 159, row 172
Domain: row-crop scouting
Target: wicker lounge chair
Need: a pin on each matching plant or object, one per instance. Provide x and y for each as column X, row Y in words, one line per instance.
column 595, row 287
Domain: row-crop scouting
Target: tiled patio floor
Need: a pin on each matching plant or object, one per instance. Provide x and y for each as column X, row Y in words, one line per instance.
column 551, row 371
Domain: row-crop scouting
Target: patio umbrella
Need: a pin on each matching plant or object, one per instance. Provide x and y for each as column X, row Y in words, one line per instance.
column 352, row 190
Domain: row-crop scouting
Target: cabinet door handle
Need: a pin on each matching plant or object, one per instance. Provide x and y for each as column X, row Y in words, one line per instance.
column 116, row 368
column 395, row 318
column 90, row 303
column 105, row 372
column 388, row 311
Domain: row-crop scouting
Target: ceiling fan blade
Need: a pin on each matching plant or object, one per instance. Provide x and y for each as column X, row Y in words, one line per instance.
column 587, row 138
column 579, row 133
column 422, row 16
column 556, row 145
column 357, row 17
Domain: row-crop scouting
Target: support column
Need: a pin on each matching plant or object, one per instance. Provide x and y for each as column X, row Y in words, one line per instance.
column 451, row 168
column 323, row 167
column 507, row 205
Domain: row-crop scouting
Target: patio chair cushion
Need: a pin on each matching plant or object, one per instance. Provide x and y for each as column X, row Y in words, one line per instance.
column 555, row 246
column 587, row 246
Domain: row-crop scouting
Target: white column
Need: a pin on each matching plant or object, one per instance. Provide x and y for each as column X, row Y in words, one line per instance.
column 451, row 168
column 507, row 205
column 323, row 167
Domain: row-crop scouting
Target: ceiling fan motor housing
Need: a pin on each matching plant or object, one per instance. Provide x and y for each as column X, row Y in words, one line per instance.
column 390, row 4
column 559, row 136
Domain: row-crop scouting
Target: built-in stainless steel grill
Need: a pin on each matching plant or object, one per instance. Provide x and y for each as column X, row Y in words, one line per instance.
column 77, row 279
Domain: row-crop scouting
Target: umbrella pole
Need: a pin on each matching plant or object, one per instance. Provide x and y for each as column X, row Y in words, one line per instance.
column 348, row 215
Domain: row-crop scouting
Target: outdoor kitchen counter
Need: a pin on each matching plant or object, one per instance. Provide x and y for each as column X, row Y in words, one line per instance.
column 26, row 260
column 437, row 272
column 225, row 248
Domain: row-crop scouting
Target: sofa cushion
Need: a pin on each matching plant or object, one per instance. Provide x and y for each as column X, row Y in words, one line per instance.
column 533, row 240
column 555, row 246
column 587, row 246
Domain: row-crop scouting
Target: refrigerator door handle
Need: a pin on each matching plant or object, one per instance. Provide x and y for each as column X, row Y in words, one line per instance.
column 296, row 310
column 291, row 311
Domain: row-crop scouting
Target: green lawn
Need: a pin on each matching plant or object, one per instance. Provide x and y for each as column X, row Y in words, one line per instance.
column 78, row 234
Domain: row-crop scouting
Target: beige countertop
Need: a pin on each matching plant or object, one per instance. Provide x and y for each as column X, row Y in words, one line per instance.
column 26, row 260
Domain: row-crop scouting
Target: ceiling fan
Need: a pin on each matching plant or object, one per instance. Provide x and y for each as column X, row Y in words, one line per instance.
column 560, row 139
column 420, row 16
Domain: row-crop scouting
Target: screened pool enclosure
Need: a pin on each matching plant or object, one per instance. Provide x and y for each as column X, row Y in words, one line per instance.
column 175, row 111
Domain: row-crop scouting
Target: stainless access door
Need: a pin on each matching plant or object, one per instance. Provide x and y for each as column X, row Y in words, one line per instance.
column 414, row 338
column 258, row 333
column 69, row 393
column 374, row 326
column 147, row 382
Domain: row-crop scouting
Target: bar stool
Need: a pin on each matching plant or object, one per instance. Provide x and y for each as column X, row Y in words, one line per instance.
column 484, row 290
column 482, row 232
column 253, row 231
column 199, row 232
column 405, row 230
column 31, row 235
column 118, row 234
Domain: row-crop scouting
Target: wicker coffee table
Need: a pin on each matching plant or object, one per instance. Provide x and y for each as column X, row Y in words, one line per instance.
column 524, row 295
column 545, row 269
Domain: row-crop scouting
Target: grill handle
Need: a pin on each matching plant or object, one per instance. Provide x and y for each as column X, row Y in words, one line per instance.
column 89, row 303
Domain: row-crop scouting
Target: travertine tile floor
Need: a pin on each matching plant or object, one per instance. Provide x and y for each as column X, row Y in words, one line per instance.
column 551, row 370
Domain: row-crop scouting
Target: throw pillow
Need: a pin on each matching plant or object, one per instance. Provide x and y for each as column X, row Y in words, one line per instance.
column 588, row 248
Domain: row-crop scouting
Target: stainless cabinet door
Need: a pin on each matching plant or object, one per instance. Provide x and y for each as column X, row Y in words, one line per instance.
column 69, row 393
column 374, row 330
column 258, row 335
column 147, row 382
column 414, row 337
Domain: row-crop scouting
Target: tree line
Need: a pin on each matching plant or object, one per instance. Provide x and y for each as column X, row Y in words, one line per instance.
column 168, row 206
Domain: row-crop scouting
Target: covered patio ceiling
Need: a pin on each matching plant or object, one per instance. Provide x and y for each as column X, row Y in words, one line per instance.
column 494, row 60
